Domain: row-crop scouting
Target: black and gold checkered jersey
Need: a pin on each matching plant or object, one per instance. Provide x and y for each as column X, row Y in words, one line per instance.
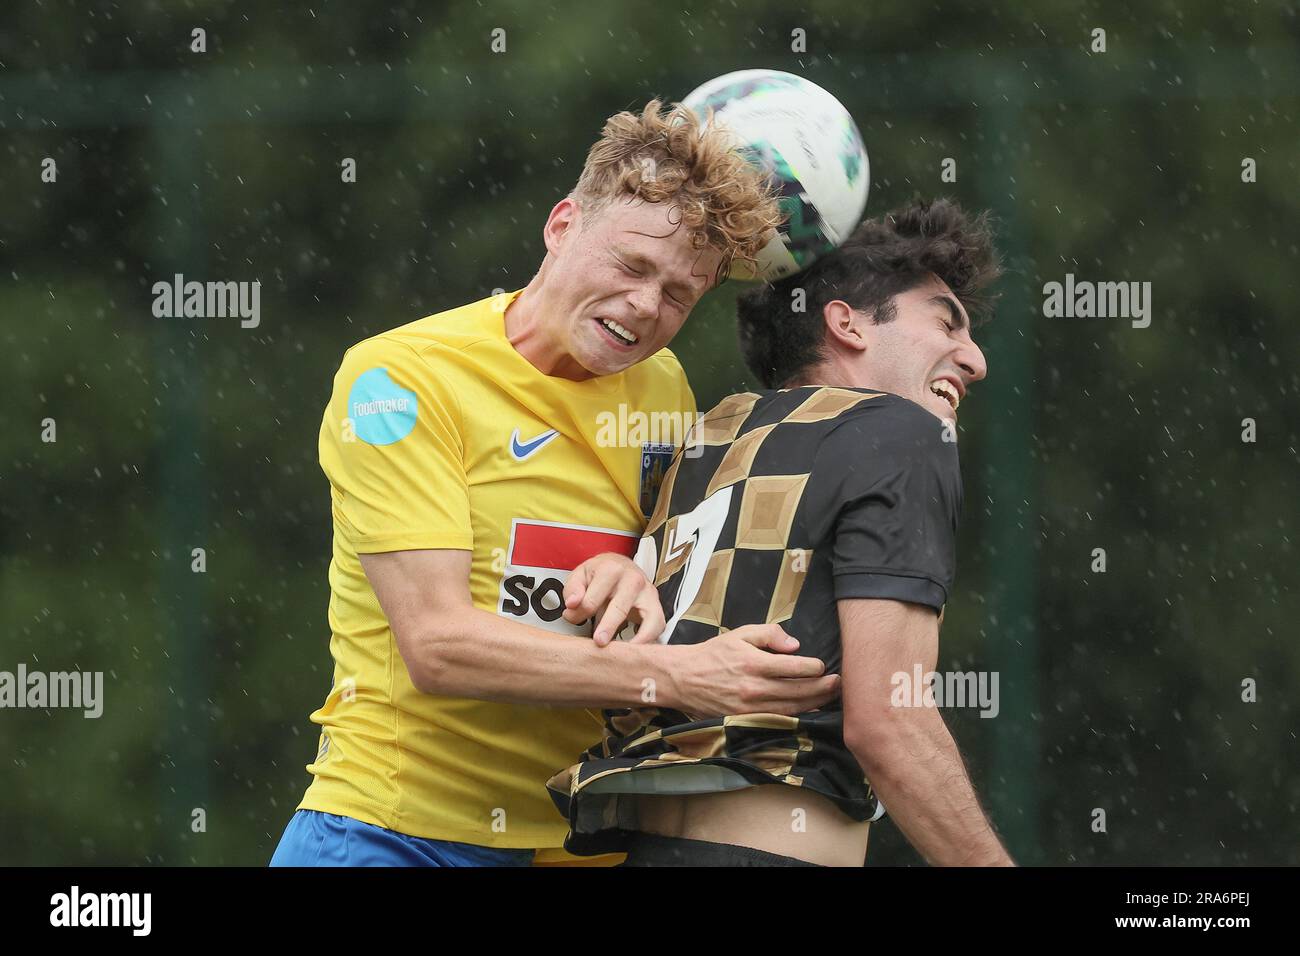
column 779, row 504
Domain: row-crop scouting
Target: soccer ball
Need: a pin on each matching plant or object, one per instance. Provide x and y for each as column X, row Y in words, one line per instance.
column 807, row 142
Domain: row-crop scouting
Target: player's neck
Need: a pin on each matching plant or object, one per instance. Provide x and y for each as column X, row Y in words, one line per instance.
column 835, row 372
column 527, row 330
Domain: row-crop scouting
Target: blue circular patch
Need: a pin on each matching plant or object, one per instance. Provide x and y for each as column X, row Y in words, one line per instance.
column 382, row 412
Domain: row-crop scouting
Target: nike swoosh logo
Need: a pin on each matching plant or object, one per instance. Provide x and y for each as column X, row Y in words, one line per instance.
column 521, row 450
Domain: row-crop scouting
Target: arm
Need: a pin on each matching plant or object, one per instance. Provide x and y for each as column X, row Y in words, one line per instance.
column 907, row 752
column 453, row 648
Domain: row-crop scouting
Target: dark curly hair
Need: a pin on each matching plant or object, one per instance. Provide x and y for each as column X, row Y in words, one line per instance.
column 881, row 259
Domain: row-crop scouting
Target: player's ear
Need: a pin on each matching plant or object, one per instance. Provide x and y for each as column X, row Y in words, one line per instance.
column 564, row 221
column 844, row 325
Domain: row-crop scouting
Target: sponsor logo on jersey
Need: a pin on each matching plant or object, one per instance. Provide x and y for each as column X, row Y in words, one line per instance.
column 540, row 557
column 382, row 412
column 520, row 450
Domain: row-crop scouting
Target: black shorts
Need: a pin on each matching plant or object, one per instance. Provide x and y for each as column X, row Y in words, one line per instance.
column 648, row 849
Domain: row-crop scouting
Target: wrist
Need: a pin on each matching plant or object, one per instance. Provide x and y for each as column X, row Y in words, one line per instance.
column 655, row 681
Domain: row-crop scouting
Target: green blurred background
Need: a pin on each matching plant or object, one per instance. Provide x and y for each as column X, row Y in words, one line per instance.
column 1120, row 691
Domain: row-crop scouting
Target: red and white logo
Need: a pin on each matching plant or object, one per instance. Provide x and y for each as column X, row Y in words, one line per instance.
column 541, row 555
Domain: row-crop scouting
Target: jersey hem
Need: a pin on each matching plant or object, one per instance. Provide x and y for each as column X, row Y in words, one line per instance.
column 530, row 839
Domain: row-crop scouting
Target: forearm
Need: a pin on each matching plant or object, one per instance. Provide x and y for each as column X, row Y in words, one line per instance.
column 915, row 769
column 476, row 654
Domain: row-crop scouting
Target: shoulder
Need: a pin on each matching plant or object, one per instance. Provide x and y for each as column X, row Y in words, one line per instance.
column 663, row 365
column 419, row 346
column 456, row 329
column 385, row 345
column 892, row 432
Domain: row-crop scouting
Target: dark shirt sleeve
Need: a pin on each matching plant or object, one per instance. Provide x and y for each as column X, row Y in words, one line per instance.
column 900, row 499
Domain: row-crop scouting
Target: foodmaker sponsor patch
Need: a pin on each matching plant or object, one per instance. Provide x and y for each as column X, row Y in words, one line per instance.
column 539, row 560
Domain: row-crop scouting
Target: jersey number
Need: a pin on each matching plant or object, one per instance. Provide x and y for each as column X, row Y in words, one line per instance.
column 696, row 532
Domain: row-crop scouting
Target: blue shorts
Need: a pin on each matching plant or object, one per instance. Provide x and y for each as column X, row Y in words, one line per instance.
column 313, row 838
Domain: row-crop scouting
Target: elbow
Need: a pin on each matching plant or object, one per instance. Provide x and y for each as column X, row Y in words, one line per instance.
column 427, row 675
column 869, row 745
column 884, row 741
column 424, row 650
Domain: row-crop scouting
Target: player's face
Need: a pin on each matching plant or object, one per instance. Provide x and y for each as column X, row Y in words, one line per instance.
column 625, row 284
column 926, row 353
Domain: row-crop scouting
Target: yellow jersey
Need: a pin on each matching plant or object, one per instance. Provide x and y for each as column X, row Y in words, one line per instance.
column 440, row 435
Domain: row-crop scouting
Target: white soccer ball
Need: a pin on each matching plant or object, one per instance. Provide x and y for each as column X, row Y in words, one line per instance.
column 807, row 142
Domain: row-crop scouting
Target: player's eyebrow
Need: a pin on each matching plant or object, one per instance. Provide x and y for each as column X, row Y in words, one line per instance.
column 958, row 319
column 633, row 258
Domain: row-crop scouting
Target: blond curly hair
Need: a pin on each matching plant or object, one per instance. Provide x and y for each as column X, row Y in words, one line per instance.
column 669, row 155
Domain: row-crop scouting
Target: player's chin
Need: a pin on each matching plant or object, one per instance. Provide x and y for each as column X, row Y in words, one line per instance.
column 606, row 357
column 940, row 408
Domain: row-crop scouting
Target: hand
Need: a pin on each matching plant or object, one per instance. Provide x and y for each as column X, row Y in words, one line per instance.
column 612, row 586
column 751, row 670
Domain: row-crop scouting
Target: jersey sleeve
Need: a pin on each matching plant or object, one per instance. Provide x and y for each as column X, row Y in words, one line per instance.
column 900, row 499
column 391, row 445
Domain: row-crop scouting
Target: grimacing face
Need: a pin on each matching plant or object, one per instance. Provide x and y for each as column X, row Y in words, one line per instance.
column 925, row 353
column 623, row 285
